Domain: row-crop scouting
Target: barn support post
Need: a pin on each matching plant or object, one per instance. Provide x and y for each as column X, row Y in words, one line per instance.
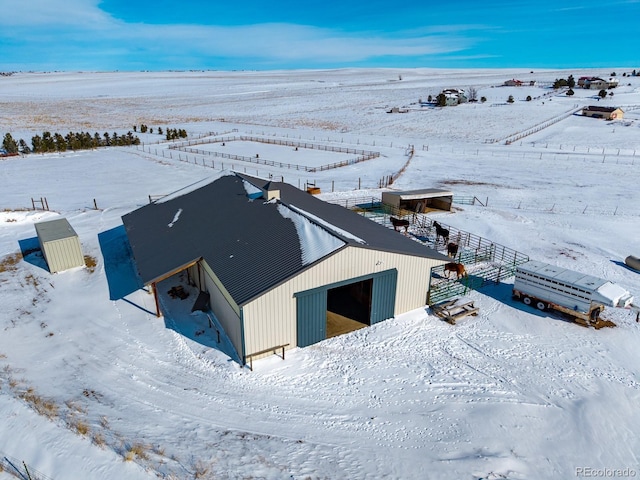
column 154, row 289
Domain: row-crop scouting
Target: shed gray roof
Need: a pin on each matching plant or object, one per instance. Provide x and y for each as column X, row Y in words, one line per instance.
column 52, row 230
column 249, row 245
column 417, row 194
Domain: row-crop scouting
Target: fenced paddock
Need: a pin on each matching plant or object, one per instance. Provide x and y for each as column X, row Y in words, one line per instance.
column 486, row 262
column 313, row 163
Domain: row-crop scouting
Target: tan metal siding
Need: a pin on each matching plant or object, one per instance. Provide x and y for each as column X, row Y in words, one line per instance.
column 271, row 319
column 227, row 312
column 63, row 254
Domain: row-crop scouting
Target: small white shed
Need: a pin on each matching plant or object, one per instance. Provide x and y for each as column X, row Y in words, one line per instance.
column 59, row 244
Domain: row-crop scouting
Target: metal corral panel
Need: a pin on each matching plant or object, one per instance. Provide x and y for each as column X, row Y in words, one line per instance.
column 59, row 244
column 272, row 318
column 312, row 317
column 383, row 298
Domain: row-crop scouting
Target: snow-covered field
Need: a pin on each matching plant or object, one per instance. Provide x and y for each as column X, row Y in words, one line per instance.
column 95, row 387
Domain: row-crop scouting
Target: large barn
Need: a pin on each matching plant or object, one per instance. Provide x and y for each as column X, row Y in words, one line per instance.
column 279, row 265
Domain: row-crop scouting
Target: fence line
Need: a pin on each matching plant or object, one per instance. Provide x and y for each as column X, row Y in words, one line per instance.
column 491, row 262
column 369, row 202
column 509, row 139
column 363, row 155
column 19, row 469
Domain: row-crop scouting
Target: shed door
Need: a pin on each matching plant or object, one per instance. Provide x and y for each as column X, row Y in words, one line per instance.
column 311, row 312
column 383, row 299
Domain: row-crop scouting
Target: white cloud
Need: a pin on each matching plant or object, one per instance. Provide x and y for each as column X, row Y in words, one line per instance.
column 81, row 24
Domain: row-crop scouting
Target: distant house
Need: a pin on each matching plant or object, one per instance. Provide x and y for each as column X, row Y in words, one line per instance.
column 606, row 113
column 280, row 268
column 454, row 96
column 595, row 83
column 582, row 81
column 513, row 83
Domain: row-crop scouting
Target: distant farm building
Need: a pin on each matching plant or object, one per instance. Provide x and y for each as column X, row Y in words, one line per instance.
column 597, row 83
column 419, row 201
column 513, row 83
column 607, row 113
column 59, row 244
column 454, row 96
column 281, row 268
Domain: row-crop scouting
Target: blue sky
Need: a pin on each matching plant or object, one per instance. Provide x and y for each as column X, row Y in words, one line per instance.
column 131, row 35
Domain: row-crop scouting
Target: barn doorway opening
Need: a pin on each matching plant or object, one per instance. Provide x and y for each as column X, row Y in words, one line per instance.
column 349, row 307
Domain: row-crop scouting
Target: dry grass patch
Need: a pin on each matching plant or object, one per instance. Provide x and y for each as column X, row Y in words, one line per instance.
column 33, row 281
column 9, row 263
column 200, row 469
column 43, row 406
column 98, row 439
column 91, row 263
column 137, row 450
column 79, row 426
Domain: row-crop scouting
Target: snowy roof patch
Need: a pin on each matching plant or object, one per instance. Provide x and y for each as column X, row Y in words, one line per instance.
column 329, row 226
column 315, row 242
column 252, row 190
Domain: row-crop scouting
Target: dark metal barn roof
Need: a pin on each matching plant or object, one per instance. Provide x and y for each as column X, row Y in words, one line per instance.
column 248, row 243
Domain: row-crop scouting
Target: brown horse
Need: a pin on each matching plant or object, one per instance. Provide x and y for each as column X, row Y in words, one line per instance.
column 400, row 222
column 458, row 268
column 452, row 249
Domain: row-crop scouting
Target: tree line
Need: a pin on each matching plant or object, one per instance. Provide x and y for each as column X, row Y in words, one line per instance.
column 48, row 142
column 55, row 142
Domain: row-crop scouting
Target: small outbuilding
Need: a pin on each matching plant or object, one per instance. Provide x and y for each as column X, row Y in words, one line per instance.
column 419, row 201
column 607, row 113
column 60, row 245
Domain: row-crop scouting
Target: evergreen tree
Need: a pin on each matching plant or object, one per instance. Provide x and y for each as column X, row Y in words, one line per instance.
column 48, row 143
column 9, row 144
column 602, row 93
column 571, row 82
column 59, row 142
column 36, row 143
column 560, row 82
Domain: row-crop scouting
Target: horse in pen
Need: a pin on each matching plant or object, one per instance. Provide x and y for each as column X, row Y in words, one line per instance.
column 458, row 268
column 400, row 223
column 441, row 232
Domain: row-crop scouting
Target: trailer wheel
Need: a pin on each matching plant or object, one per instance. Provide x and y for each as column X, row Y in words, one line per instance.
column 541, row 306
column 526, row 300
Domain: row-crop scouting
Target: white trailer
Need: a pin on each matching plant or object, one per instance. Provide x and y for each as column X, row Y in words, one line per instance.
column 583, row 297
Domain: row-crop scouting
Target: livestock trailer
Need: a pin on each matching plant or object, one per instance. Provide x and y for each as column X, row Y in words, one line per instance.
column 59, row 244
column 582, row 297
